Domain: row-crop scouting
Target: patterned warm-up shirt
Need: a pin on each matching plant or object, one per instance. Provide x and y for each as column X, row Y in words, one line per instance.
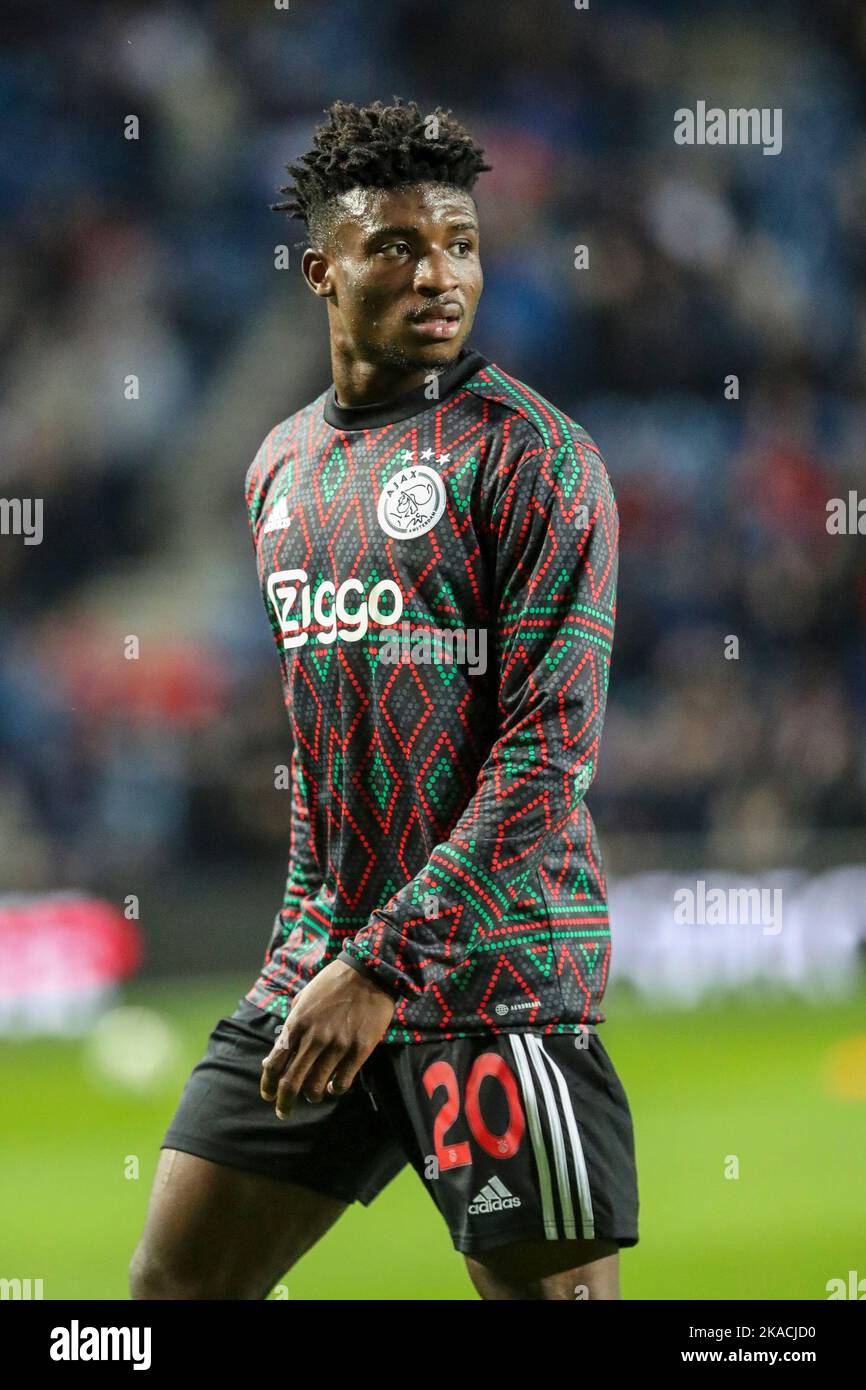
column 439, row 573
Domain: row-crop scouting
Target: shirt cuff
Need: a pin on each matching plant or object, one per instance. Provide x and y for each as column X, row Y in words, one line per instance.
column 372, row 973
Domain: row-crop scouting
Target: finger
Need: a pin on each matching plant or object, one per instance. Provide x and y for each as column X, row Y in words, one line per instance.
column 274, row 1065
column 291, row 1083
column 346, row 1071
column 315, row 1087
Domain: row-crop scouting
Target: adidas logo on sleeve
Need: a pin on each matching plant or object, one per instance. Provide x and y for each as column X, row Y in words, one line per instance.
column 279, row 517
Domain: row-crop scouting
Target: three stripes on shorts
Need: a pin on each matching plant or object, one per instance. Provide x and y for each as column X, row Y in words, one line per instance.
column 555, row 1139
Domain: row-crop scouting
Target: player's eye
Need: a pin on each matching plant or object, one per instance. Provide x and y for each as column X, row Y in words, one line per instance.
column 399, row 248
column 463, row 247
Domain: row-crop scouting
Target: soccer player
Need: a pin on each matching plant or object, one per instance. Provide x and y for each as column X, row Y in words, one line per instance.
column 437, row 550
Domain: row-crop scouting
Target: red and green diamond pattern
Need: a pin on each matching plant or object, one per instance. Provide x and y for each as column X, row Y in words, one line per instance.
column 440, row 840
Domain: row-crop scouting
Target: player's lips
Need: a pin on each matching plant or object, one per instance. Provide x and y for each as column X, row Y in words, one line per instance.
column 440, row 322
column 437, row 328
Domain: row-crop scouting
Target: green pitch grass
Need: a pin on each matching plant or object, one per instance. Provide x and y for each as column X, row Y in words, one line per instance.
column 774, row 1086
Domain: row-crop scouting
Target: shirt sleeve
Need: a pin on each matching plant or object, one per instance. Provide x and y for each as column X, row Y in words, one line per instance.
column 303, row 875
column 555, row 532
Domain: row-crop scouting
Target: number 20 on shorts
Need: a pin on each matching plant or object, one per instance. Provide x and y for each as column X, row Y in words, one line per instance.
column 456, row 1154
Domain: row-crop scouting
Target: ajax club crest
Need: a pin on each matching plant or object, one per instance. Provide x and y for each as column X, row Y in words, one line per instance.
column 411, row 502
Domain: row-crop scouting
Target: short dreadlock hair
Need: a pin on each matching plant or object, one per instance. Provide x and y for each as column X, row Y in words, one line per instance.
column 377, row 146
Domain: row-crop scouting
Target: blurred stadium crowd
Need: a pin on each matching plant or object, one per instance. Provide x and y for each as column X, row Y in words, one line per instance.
column 155, row 256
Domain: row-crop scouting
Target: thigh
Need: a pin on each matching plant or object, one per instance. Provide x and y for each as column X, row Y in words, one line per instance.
column 557, row 1269
column 218, row 1232
column 240, row 1195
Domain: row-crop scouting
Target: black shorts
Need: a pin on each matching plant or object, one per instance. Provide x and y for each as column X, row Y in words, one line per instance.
column 516, row 1136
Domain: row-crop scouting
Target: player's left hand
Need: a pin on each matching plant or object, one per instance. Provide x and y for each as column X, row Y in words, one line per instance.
column 334, row 1024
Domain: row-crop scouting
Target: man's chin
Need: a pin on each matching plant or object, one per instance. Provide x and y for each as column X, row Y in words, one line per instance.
column 420, row 356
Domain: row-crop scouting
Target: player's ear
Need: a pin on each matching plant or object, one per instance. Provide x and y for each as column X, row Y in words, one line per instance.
column 316, row 269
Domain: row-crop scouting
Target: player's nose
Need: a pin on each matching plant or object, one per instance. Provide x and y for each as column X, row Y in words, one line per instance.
column 434, row 274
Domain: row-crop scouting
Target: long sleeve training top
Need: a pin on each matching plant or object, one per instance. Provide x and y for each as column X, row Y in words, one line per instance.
column 439, row 574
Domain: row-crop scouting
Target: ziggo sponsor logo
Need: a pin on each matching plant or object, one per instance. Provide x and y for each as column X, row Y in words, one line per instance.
column 298, row 606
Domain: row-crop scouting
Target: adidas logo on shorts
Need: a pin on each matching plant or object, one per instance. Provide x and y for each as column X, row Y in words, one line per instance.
column 494, row 1196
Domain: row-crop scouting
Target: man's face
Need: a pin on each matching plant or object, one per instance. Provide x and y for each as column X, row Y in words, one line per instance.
column 402, row 273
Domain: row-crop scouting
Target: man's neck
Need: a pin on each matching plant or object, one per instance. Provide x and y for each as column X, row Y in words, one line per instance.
column 407, row 400
column 375, row 383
